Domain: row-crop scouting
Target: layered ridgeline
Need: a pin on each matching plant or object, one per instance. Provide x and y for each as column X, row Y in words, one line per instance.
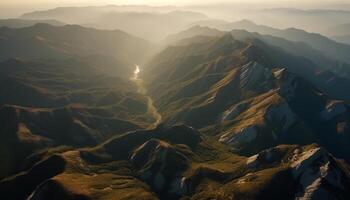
column 329, row 48
column 250, row 95
column 152, row 23
column 76, row 125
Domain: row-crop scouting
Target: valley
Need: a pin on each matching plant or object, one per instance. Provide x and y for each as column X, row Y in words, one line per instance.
column 130, row 102
column 152, row 110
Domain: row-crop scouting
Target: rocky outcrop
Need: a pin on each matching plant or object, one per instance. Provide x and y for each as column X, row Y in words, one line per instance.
column 281, row 116
column 288, row 83
column 161, row 165
column 234, row 111
column 255, row 76
column 319, row 175
column 333, row 109
column 266, row 158
column 242, row 137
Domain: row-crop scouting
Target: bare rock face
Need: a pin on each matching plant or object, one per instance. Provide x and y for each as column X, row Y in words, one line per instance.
column 244, row 136
column 266, row 157
column 281, row 115
column 319, row 175
column 234, row 111
column 314, row 173
column 333, row 109
column 254, row 75
column 289, row 83
column 161, row 165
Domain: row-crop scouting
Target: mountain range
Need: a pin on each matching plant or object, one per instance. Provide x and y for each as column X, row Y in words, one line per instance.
column 20, row 23
column 230, row 111
column 135, row 20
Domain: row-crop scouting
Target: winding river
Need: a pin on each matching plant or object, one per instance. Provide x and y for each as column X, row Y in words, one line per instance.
column 152, row 110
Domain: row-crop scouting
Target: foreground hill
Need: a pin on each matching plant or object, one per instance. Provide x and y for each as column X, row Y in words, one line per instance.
column 46, row 41
column 177, row 163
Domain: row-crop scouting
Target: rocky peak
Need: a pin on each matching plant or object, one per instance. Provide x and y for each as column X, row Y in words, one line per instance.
column 160, row 164
column 265, row 157
column 288, row 83
column 318, row 174
column 254, row 75
column 241, row 137
column 281, row 116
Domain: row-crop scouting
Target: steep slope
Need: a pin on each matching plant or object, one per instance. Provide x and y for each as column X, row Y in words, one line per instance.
column 293, row 113
column 246, row 92
column 201, row 34
column 46, row 41
column 329, row 70
column 213, row 59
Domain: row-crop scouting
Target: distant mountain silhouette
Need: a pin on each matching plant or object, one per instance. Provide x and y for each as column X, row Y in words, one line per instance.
column 134, row 20
column 46, row 41
column 20, row 23
column 330, row 48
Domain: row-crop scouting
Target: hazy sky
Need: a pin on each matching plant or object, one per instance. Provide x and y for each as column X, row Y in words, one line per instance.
column 158, row 2
column 14, row 8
